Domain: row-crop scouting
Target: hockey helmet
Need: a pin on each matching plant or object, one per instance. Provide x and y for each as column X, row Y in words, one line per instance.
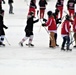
column 67, row 17
column 49, row 13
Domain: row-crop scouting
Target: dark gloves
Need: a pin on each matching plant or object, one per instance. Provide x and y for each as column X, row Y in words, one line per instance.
column 58, row 21
column 43, row 24
column 59, row 18
column 44, row 19
column 37, row 20
column 6, row 27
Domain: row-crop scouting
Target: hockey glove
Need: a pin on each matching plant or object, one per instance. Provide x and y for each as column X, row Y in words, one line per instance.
column 44, row 19
column 43, row 24
column 6, row 28
column 58, row 21
column 37, row 20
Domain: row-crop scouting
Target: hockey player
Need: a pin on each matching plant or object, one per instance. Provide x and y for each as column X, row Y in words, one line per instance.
column 29, row 29
column 42, row 7
column 2, row 26
column 52, row 28
column 74, row 29
column 58, row 21
column 1, row 4
column 59, row 6
column 65, row 33
column 71, row 7
column 32, row 7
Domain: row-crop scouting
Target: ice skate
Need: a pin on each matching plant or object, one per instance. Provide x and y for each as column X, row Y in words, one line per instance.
column 62, row 49
column 57, row 45
column 74, row 46
column 2, row 45
column 30, row 45
column 21, row 44
column 68, row 49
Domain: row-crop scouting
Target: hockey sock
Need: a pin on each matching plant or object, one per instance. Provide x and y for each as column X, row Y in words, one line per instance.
column 25, row 38
column 30, row 39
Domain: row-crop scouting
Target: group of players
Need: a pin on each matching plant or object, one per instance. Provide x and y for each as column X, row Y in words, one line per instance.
column 53, row 20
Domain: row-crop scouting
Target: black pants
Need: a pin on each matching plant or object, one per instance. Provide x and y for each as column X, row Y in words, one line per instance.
column 66, row 40
column 0, row 7
column 28, row 33
column 2, row 32
column 10, row 8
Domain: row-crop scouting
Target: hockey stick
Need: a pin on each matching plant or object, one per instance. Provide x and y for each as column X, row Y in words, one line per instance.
column 27, row 3
column 41, row 21
column 7, row 41
column 65, row 12
column 41, row 24
column 38, row 16
column 37, row 13
column 71, row 38
column 71, row 42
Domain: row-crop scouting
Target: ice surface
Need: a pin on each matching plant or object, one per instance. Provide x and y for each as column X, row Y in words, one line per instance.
column 40, row 60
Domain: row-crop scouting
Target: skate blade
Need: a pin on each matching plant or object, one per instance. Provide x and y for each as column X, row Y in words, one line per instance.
column 29, row 45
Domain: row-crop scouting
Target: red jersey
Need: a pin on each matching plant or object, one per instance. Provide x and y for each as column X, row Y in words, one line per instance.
column 65, row 29
column 51, row 23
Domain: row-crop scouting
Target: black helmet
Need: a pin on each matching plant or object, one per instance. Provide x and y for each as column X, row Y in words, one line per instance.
column 49, row 13
column 67, row 17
